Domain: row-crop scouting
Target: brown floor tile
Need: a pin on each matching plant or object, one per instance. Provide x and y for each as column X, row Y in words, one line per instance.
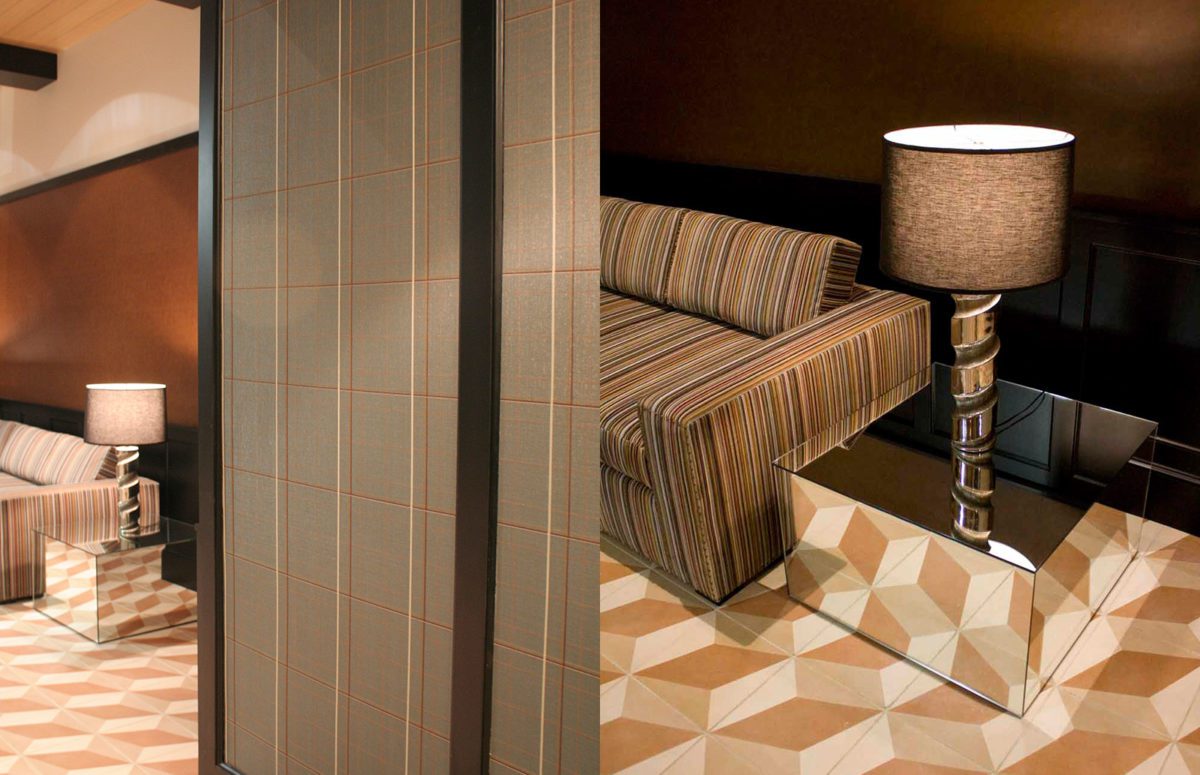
column 1090, row 752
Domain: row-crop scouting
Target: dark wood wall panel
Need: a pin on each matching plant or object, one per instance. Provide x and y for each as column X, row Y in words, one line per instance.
column 172, row 464
column 1141, row 334
column 1122, row 329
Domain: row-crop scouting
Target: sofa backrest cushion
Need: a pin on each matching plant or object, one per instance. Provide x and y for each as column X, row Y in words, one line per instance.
column 46, row 457
column 636, row 244
column 761, row 278
column 6, row 428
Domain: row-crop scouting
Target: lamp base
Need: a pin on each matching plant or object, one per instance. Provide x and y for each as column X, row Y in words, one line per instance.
column 973, row 386
column 128, row 490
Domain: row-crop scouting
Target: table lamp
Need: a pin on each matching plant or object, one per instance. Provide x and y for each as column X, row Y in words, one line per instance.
column 124, row 416
column 975, row 210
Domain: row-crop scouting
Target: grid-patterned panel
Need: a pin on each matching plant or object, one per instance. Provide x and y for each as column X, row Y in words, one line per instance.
column 340, row 298
column 545, row 694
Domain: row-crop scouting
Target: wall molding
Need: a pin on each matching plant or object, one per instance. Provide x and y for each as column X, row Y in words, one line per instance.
column 188, row 140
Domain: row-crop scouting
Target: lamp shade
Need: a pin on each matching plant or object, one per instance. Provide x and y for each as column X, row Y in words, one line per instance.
column 975, row 208
column 125, row 414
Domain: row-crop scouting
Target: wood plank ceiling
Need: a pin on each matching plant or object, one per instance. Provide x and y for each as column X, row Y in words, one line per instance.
column 55, row 25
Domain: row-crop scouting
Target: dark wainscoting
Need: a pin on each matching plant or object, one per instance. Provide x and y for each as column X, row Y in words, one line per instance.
column 172, row 465
column 1121, row 330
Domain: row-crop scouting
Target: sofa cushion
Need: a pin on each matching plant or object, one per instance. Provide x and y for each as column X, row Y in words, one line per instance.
column 762, row 278
column 646, row 356
column 636, row 243
column 618, row 311
column 45, row 457
column 9, row 483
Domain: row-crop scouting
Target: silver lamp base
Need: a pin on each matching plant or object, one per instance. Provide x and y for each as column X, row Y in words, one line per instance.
column 128, row 490
column 973, row 386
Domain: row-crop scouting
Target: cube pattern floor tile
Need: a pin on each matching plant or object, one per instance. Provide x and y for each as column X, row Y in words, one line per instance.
column 68, row 705
column 762, row 684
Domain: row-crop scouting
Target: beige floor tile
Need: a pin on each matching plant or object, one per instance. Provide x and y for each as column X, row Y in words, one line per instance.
column 639, row 732
column 69, row 705
column 710, row 755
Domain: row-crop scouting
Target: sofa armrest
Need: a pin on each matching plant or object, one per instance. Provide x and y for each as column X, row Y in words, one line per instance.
column 87, row 511
column 712, row 438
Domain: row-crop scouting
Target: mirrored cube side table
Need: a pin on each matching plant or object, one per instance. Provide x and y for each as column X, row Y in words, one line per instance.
column 105, row 590
column 870, row 543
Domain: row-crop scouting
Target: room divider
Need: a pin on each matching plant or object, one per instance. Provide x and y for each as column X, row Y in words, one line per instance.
column 399, row 310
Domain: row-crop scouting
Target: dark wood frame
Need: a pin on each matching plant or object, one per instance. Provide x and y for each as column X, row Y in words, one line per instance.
column 27, row 68
column 479, row 390
column 210, row 535
column 481, row 243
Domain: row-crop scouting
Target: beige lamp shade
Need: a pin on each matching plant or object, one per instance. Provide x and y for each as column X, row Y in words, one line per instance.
column 976, row 208
column 125, row 414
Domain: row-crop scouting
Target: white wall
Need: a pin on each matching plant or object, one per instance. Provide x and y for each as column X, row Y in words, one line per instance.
column 131, row 85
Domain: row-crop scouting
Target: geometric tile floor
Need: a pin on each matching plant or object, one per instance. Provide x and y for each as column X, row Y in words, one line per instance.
column 763, row 685
column 68, row 705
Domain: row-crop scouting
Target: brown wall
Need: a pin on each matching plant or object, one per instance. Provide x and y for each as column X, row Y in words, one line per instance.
column 810, row 86
column 98, row 284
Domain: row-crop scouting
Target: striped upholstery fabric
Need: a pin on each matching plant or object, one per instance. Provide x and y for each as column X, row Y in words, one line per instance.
column 628, row 511
column 10, row 482
column 636, row 244
column 712, row 437
column 87, row 511
column 725, row 344
column 641, row 358
column 45, row 457
column 618, row 311
column 765, row 279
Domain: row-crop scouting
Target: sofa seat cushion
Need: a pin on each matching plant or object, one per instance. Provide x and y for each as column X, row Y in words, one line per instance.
column 46, row 457
column 618, row 311
column 646, row 356
column 9, row 483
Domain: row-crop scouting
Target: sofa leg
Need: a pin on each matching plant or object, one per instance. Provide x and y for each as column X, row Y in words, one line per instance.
column 849, row 442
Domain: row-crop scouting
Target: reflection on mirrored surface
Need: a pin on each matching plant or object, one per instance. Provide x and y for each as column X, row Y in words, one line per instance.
column 873, row 543
column 115, row 588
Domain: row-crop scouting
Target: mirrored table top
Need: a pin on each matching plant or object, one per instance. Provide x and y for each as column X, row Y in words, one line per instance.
column 167, row 532
column 1071, row 456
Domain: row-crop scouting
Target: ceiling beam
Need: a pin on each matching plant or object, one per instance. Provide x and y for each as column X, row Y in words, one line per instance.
column 27, row 68
column 183, row 3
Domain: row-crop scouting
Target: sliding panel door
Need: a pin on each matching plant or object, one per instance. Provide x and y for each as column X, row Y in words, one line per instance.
column 340, row 144
column 546, row 664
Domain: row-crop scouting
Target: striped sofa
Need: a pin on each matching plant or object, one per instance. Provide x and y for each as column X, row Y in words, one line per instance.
column 725, row 344
column 48, row 478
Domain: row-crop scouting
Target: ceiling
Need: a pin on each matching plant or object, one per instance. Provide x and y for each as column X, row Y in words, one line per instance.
column 55, row 25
